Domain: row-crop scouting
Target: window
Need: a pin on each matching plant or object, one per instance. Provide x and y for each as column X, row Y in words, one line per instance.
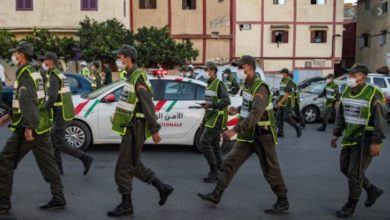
column 73, row 82
column 382, row 38
column 179, row 91
column 279, row 36
column 200, row 93
column 279, row 2
column 318, row 2
column 367, row 4
column 89, row 5
column 384, row 7
column 24, row 5
column 318, row 37
column 189, row 4
column 147, row 4
column 380, row 82
column 365, row 40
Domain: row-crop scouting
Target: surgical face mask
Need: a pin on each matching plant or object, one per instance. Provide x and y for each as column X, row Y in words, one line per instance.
column 44, row 67
column 188, row 74
column 119, row 64
column 15, row 61
column 328, row 80
column 351, row 82
column 206, row 76
column 243, row 76
column 225, row 75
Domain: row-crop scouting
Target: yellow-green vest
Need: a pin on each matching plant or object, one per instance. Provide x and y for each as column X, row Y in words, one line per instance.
column 212, row 115
column 282, row 87
column 122, row 75
column 331, row 94
column 267, row 121
column 44, row 119
column 85, row 72
column 357, row 113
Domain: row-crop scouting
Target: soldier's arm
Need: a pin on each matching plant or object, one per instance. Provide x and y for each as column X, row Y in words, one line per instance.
column 323, row 93
column 53, row 92
column 287, row 91
column 337, row 91
column 260, row 103
column 224, row 96
column 379, row 114
column 340, row 122
column 145, row 97
column 28, row 102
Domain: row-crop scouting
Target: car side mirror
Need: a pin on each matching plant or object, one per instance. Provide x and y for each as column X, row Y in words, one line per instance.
column 109, row 99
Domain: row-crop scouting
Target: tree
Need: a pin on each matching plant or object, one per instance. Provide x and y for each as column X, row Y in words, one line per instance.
column 7, row 41
column 99, row 39
column 155, row 46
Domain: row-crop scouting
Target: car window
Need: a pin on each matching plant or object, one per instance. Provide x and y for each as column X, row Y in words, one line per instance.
column 380, row 82
column 368, row 80
column 104, row 89
column 388, row 80
column 315, row 87
column 200, row 93
column 73, row 82
column 177, row 90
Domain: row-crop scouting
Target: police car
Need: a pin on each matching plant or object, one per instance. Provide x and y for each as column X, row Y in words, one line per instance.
column 176, row 107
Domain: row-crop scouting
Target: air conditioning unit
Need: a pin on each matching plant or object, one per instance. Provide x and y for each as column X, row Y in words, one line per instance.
column 245, row 27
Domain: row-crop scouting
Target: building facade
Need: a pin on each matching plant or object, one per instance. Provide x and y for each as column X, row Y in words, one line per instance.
column 373, row 30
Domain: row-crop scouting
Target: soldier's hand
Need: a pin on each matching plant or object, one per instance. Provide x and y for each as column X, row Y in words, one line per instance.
column 333, row 142
column 233, row 110
column 375, row 150
column 227, row 135
column 156, row 138
column 28, row 134
column 4, row 119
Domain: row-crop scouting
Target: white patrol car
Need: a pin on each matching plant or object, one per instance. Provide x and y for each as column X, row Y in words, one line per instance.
column 175, row 100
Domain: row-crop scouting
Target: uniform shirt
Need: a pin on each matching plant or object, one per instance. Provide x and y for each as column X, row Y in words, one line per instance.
column 223, row 95
column 288, row 89
column 234, row 87
column 108, row 77
column 260, row 103
column 145, row 102
column 52, row 92
column 323, row 93
column 377, row 111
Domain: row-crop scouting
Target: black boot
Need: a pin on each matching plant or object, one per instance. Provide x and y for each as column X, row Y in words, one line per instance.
column 57, row 202
column 347, row 210
column 298, row 130
column 373, row 193
column 212, row 176
column 280, row 207
column 123, row 209
column 322, row 128
column 87, row 161
column 5, row 205
column 213, row 198
column 164, row 189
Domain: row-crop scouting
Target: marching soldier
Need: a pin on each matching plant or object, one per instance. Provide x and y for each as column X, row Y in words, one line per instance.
column 361, row 117
column 31, row 131
column 256, row 134
column 332, row 94
column 214, row 122
column 231, row 82
column 84, row 69
column 135, row 121
column 285, row 104
column 297, row 103
column 95, row 76
column 60, row 105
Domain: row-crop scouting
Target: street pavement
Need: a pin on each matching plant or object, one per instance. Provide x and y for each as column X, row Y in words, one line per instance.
column 310, row 167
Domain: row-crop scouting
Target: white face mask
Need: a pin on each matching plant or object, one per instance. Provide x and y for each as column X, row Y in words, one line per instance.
column 188, row 74
column 119, row 64
column 328, row 80
column 225, row 75
column 206, row 76
column 351, row 82
column 44, row 67
column 243, row 76
column 14, row 60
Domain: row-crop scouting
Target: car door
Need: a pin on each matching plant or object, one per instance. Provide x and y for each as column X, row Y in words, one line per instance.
column 174, row 111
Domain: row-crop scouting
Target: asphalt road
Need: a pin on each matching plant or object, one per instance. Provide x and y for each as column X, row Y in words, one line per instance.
column 316, row 187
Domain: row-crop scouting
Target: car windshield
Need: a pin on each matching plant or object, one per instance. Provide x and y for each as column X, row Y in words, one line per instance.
column 315, row 87
column 98, row 92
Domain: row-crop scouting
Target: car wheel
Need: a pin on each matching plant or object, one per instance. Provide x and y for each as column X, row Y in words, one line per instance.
column 78, row 135
column 311, row 114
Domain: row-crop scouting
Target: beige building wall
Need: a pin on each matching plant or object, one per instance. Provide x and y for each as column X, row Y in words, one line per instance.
column 247, row 41
column 248, row 10
column 375, row 55
column 150, row 17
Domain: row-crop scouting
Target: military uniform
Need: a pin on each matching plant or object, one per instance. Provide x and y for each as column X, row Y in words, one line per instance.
column 362, row 118
column 60, row 104
column 256, row 133
column 332, row 94
column 85, row 72
column 284, row 112
column 297, row 105
column 96, row 80
column 217, row 99
column 108, row 76
column 135, row 120
column 231, row 83
column 122, row 74
column 28, row 111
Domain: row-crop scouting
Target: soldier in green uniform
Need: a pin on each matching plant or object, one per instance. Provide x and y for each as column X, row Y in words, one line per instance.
column 183, row 71
column 332, row 94
column 361, row 117
column 107, row 74
column 214, row 121
column 231, row 83
column 297, row 103
column 135, row 120
column 190, row 72
column 84, row 69
column 60, row 104
column 285, row 105
column 31, row 131
column 95, row 76
column 256, row 134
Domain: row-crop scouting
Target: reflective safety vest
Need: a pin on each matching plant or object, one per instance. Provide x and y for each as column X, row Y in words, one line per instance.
column 229, row 84
column 44, row 119
column 64, row 99
column 357, row 113
column 85, row 72
column 212, row 115
column 122, row 75
column 125, row 109
column 282, row 87
column 267, row 121
column 331, row 94
column 295, row 95
column 96, row 80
